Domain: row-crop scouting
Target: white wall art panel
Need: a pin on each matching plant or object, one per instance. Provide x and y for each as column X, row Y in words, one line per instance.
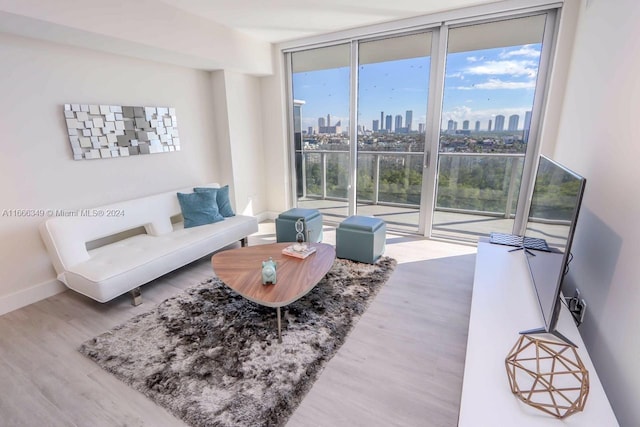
column 106, row 131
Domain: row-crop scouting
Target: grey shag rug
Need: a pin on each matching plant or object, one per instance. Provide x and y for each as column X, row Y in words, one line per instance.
column 212, row 357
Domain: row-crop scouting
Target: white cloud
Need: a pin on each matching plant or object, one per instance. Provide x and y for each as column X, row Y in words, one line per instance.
column 508, row 67
column 493, row 84
column 458, row 75
column 458, row 112
column 526, row 50
column 499, row 84
column 474, row 58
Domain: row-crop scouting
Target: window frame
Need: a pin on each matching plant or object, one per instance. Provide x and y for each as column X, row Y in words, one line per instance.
column 439, row 25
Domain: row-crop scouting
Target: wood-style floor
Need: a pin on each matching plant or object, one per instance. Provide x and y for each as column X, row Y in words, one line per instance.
column 402, row 365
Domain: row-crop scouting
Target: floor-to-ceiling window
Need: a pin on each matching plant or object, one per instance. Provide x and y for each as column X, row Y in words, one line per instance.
column 490, row 81
column 465, row 143
column 320, row 85
column 393, row 84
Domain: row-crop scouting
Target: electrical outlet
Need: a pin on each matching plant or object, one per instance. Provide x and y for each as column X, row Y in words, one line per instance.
column 583, row 309
column 577, row 307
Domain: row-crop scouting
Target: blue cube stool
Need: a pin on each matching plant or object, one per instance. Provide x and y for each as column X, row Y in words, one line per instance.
column 286, row 225
column 361, row 238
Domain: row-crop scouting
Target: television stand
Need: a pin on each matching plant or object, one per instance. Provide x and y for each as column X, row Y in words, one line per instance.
column 522, row 248
column 503, row 303
column 556, row 334
column 521, row 242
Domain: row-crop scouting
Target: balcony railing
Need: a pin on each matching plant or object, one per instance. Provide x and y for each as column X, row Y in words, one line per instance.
column 475, row 183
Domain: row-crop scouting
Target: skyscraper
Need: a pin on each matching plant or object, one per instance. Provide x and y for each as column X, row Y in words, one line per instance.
column 310, row 130
column 321, row 122
column 375, row 125
column 398, row 123
column 499, row 123
column 387, row 122
column 477, row 125
column 381, row 119
column 465, row 125
column 527, row 126
column 513, row 122
column 408, row 119
column 420, row 127
column 297, row 123
column 489, row 126
column 450, row 127
column 328, row 119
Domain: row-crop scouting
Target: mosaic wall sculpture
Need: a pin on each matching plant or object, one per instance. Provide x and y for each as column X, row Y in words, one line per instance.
column 105, row 131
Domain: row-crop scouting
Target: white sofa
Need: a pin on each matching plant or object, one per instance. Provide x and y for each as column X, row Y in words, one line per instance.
column 117, row 267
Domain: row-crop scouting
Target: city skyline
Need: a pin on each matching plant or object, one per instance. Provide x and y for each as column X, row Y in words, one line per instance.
column 394, row 120
column 479, row 86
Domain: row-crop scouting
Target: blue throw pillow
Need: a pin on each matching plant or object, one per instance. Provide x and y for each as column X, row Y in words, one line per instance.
column 199, row 209
column 222, row 199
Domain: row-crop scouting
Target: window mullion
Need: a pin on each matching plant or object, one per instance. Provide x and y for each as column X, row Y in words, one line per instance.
column 353, row 129
column 432, row 129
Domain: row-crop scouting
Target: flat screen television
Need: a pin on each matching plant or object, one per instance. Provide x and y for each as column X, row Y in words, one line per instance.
column 553, row 214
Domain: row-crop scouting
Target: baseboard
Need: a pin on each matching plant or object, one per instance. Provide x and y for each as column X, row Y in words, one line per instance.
column 267, row 215
column 30, row 295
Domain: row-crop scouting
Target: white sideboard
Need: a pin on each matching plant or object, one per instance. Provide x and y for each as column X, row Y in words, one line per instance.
column 504, row 303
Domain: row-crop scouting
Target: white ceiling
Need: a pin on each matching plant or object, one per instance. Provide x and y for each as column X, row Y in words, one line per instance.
column 203, row 34
column 279, row 20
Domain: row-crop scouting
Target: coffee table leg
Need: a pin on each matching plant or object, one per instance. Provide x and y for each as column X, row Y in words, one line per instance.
column 279, row 325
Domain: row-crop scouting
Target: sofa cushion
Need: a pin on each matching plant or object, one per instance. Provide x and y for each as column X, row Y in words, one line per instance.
column 222, row 199
column 199, row 208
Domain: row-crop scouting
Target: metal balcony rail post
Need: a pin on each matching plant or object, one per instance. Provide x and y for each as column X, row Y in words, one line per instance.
column 376, row 178
column 304, row 174
column 512, row 186
column 323, row 175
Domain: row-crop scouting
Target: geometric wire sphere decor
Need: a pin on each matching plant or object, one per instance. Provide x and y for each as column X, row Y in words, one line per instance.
column 548, row 375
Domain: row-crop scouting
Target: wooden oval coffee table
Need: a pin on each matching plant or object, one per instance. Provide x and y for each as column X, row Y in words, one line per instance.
column 241, row 270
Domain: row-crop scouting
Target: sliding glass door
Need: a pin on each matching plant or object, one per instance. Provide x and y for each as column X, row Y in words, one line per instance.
column 490, row 82
column 392, row 92
column 393, row 84
column 320, row 86
column 368, row 113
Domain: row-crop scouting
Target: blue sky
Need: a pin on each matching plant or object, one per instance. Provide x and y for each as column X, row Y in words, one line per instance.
column 478, row 86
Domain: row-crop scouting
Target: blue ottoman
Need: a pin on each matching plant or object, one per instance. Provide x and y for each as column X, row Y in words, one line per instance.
column 286, row 225
column 361, row 238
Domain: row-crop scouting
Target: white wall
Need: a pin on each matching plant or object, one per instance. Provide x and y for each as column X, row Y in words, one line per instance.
column 240, row 139
column 221, row 124
column 557, row 77
column 597, row 138
column 276, row 145
column 246, row 142
column 36, row 79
